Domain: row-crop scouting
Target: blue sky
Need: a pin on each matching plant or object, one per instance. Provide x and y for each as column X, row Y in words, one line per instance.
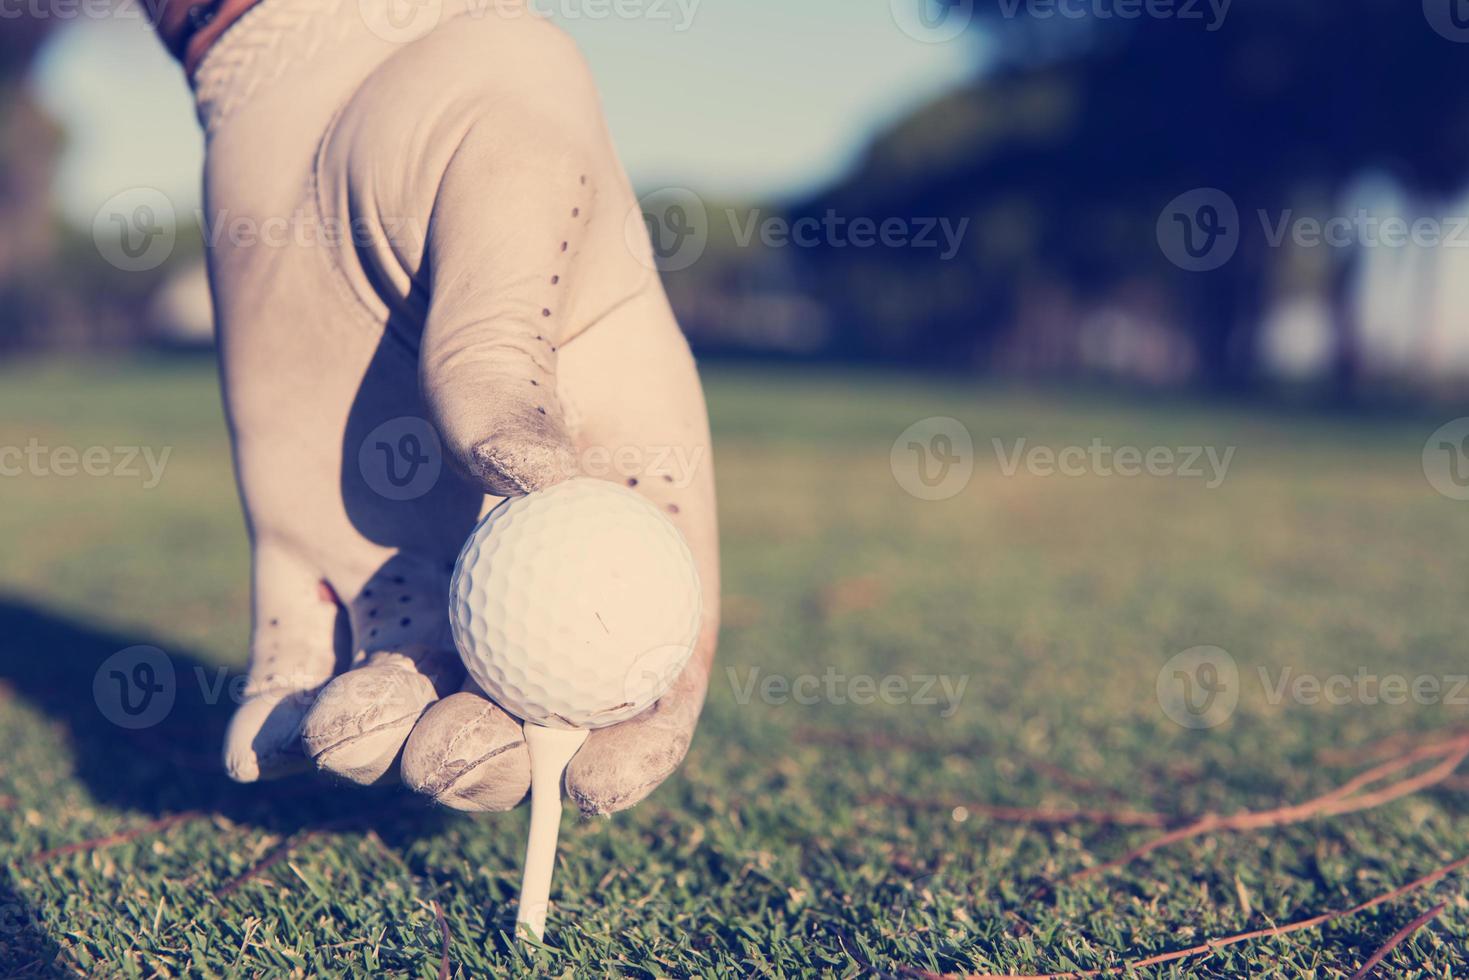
column 742, row 99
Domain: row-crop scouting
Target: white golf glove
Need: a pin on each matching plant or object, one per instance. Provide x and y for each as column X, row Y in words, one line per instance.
column 432, row 288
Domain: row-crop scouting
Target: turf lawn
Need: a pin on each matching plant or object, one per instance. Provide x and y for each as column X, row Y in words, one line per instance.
column 780, row 849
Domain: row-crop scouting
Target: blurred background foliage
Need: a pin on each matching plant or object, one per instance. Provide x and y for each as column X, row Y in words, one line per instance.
column 1057, row 157
column 1066, row 151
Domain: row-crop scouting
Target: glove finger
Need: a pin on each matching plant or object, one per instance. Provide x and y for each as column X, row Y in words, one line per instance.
column 263, row 740
column 466, row 753
column 359, row 722
column 620, row 766
column 502, row 248
column 299, row 636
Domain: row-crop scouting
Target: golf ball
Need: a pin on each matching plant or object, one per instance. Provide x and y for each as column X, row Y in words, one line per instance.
column 577, row 606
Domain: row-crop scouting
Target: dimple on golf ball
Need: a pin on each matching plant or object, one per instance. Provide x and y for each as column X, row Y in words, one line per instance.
column 576, row 606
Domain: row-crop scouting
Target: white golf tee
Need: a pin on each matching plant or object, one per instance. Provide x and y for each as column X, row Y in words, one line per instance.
column 550, row 751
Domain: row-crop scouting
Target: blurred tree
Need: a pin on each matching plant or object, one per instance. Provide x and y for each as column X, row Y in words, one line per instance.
column 56, row 288
column 28, row 144
column 1079, row 131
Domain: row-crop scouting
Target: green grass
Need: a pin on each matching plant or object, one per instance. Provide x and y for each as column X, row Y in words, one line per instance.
column 1058, row 599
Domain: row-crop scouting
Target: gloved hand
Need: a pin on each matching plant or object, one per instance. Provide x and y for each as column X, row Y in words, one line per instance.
column 432, row 290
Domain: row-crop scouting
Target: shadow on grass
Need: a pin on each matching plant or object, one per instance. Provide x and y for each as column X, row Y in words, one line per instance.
column 25, row 949
column 166, row 768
